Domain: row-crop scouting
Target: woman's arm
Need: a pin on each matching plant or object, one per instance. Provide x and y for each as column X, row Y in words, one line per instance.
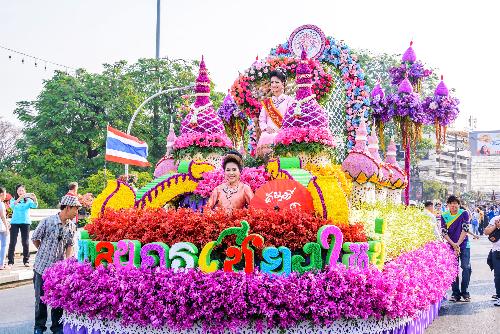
column 263, row 119
column 212, row 201
column 34, row 202
column 2, row 217
column 248, row 193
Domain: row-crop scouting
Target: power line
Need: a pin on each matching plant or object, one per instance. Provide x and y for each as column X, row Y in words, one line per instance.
column 36, row 59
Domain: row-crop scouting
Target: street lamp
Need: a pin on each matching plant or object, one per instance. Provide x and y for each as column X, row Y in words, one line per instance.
column 136, row 112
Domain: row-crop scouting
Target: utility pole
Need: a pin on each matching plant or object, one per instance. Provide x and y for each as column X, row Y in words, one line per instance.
column 455, row 163
column 158, row 29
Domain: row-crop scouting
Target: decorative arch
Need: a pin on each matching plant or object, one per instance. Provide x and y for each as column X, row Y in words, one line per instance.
column 346, row 100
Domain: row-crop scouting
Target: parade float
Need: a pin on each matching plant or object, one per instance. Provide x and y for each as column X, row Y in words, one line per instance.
column 329, row 248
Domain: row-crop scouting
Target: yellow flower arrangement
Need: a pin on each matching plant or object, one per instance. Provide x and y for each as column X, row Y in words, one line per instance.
column 333, row 198
column 332, row 170
column 116, row 195
column 179, row 184
column 273, row 168
column 408, row 228
column 197, row 168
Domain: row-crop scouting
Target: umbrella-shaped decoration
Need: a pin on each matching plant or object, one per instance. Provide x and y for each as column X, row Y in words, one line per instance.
column 283, row 194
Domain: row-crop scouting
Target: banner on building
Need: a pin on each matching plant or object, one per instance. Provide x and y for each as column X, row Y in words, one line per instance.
column 485, row 143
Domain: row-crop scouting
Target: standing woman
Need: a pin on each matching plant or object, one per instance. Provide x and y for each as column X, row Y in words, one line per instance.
column 21, row 205
column 273, row 110
column 4, row 227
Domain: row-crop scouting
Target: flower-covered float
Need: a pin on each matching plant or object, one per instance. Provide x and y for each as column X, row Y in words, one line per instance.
column 153, row 261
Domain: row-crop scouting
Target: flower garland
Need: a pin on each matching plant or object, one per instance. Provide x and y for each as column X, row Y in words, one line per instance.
column 311, row 140
column 292, row 229
column 227, row 301
column 252, row 86
column 188, row 144
column 338, row 55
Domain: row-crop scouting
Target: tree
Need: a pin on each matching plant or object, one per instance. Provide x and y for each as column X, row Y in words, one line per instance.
column 433, row 190
column 65, row 127
column 9, row 134
column 47, row 194
column 96, row 182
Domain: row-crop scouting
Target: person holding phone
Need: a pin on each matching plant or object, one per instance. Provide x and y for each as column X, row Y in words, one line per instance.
column 21, row 205
column 494, row 227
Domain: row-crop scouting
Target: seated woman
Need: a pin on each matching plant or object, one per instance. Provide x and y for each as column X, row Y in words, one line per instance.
column 232, row 194
column 273, row 110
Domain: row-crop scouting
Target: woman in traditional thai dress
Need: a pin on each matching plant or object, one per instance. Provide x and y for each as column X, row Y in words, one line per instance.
column 273, row 110
column 232, row 194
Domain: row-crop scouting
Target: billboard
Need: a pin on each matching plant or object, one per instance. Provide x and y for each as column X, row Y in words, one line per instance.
column 485, row 143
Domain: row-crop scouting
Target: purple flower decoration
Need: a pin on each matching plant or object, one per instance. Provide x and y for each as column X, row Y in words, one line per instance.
column 229, row 109
column 414, row 71
column 378, row 104
column 178, row 299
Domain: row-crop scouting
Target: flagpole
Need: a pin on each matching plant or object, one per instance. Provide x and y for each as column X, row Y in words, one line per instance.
column 136, row 112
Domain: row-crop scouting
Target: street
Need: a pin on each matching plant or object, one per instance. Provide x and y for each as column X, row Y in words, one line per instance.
column 479, row 316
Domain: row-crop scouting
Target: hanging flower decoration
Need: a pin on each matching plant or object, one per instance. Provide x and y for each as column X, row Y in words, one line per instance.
column 235, row 121
column 253, row 85
column 442, row 110
column 410, row 68
column 380, row 113
column 406, row 109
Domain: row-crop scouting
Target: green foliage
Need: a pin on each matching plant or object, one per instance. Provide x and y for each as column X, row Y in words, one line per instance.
column 434, row 190
column 47, row 194
column 143, row 178
column 256, row 161
column 65, row 127
column 96, row 182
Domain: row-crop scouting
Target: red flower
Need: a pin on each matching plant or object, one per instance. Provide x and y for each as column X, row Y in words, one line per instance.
column 292, row 229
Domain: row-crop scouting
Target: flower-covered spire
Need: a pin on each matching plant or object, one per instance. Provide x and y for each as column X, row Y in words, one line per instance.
column 377, row 93
column 305, row 111
column 361, row 137
column 373, row 146
column 391, row 153
column 304, row 77
column 405, row 86
column 202, row 117
column 359, row 165
column 202, row 89
column 441, row 89
column 409, row 56
column 171, row 136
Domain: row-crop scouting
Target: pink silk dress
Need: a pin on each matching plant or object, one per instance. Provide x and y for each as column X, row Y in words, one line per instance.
column 229, row 199
column 281, row 103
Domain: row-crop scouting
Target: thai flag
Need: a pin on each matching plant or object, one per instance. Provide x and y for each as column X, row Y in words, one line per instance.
column 126, row 149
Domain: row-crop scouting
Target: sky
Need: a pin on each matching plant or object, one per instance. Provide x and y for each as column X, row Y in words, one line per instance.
column 458, row 37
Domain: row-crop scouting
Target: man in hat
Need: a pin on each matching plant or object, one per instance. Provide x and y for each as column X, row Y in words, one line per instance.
column 54, row 239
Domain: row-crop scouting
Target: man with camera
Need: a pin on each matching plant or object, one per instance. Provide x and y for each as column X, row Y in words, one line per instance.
column 54, row 239
column 493, row 233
